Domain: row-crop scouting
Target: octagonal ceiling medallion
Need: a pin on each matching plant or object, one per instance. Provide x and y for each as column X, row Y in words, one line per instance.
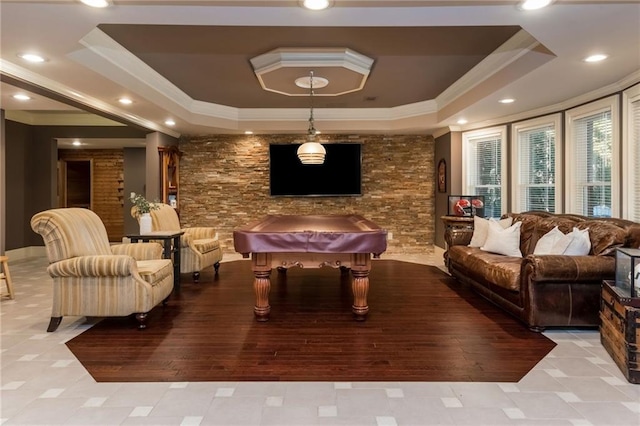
column 346, row 70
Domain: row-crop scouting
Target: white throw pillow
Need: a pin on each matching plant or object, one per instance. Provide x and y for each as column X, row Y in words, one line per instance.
column 580, row 244
column 503, row 241
column 553, row 242
column 481, row 229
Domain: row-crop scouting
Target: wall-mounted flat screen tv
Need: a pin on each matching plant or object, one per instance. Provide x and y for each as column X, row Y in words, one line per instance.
column 339, row 175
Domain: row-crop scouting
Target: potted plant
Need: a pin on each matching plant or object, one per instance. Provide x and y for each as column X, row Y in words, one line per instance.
column 142, row 211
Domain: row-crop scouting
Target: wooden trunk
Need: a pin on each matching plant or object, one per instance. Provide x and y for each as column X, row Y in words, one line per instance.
column 620, row 329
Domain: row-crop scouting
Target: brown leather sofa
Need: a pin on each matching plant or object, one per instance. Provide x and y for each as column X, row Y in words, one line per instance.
column 543, row 290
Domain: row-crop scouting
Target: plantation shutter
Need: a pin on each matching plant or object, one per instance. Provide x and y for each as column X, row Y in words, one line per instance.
column 537, row 164
column 593, row 156
column 635, row 141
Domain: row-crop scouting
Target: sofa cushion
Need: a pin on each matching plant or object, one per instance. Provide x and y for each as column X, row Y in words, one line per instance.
column 154, row 271
column 605, row 236
column 579, row 242
column 488, row 268
column 553, row 242
column 481, row 229
column 503, row 241
column 206, row 245
column 527, row 230
column 564, row 223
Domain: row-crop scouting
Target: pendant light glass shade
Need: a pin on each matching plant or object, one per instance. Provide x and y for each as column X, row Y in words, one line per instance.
column 311, row 152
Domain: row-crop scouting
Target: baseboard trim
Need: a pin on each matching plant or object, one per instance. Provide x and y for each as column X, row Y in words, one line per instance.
column 26, row 253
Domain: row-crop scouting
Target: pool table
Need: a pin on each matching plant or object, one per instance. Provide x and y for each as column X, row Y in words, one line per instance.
column 311, row 241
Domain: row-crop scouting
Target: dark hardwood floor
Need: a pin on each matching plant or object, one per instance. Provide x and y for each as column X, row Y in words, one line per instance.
column 422, row 326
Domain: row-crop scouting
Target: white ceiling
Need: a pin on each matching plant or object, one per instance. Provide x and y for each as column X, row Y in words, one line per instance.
column 541, row 67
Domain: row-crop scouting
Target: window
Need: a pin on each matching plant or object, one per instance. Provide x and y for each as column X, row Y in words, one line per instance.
column 631, row 153
column 592, row 154
column 535, row 166
column 483, row 173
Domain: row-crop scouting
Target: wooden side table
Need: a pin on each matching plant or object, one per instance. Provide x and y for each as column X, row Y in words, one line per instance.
column 171, row 244
column 620, row 329
column 458, row 230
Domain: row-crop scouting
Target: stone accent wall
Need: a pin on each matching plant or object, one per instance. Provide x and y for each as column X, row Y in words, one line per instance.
column 108, row 169
column 224, row 183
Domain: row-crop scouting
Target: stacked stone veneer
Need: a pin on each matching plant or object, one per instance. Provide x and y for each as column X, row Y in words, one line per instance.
column 224, row 182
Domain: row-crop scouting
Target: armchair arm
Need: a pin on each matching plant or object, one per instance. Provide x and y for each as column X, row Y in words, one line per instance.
column 563, row 268
column 139, row 251
column 197, row 233
column 94, row 266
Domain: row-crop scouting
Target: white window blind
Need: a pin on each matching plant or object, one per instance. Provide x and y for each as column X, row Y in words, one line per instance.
column 593, row 153
column 484, row 170
column 634, row 140
column 536, row 169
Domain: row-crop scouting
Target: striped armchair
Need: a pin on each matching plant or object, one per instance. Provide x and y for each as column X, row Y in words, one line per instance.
column 92, row 277
column 199, row 246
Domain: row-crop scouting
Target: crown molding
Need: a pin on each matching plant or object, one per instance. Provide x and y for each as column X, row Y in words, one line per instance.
column 15, row 71
column 59, row 119
column 510, row 51
column 127, row 69
column 609, row 90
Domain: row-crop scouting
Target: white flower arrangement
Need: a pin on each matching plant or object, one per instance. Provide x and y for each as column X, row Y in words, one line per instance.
column 142, row 204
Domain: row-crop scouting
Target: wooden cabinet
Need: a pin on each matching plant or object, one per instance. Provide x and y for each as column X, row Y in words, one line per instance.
column 170, row 175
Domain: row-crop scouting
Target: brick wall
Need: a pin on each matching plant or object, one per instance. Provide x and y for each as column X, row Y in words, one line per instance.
column 108, row 167
column 224, row 182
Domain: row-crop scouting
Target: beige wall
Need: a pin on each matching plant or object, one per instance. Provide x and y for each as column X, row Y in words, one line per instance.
column 224, row 182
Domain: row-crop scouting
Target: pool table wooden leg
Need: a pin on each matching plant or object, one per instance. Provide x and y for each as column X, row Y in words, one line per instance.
column 261, row 265
column 262, row 286
column 360, row 267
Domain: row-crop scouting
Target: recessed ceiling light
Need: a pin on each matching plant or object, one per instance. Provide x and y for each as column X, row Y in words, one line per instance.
column 248, row 132
column 21, row 97
column 534, row 4
column 125, row 101
column 32, row 57
column 462, row 121
column 316, row 4
column 170, row 122
column 507, row 101
column 96, row 3
column 595, row 58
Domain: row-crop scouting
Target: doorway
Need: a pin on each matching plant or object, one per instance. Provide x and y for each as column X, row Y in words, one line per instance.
column 75, row 183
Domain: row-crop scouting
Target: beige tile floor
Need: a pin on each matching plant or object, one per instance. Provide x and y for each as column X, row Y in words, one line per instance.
column 42, row 383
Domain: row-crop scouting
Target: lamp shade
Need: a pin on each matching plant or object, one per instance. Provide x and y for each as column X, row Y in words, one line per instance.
column 311, row 153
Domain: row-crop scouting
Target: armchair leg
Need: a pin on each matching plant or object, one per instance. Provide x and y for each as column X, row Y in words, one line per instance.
column 196, row 276
column 216, row 266
column 164, row 302
column 141, row 317
column 53, row 324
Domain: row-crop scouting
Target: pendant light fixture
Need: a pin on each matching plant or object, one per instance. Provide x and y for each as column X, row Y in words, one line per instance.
column 311, row 152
